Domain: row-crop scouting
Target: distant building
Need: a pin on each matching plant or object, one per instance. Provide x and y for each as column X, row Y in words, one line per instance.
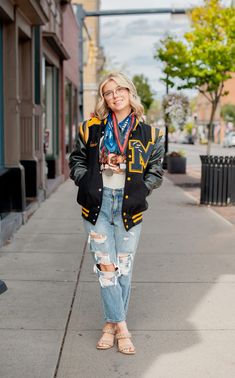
column 203, row 109
column 92, row 56
column 39, row 86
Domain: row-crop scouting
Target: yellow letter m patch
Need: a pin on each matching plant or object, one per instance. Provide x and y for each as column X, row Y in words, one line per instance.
column 139, row 155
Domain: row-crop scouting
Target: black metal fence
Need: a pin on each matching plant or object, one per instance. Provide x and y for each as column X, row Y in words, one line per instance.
column 217, row 180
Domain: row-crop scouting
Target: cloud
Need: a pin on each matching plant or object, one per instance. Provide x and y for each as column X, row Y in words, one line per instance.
column 130, row 41
column 117, row 33
column 154, row 27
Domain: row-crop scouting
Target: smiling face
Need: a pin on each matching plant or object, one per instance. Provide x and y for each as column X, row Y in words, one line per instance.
column 117, row 99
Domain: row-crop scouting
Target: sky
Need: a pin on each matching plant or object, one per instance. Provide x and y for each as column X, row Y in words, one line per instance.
column 129, row 41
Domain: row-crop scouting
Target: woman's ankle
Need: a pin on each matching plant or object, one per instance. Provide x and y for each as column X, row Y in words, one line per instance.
column 112, row 325
column 122, row 327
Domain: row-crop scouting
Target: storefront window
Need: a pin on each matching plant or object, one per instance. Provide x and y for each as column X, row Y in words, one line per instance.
column 75, row 115
column 37, row 53
column 50, row 95
column 68, row 116
column 1, row 101
column 71, row 115
column 49, row 111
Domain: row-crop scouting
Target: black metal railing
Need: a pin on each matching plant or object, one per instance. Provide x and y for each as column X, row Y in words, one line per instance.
column 217, row 180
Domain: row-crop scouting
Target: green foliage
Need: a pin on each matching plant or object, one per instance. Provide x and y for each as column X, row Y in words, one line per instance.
column 206, row 56
column 154, row 113
column 171, row 129
column 188, row 128
column 143, row 90
column 178, row 153
column 228, row 113
column 193, row 104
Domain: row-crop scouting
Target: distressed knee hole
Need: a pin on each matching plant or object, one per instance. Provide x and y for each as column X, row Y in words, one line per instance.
column 107, row 279
column 102, row 258
column 97, row 238
column 125, row 262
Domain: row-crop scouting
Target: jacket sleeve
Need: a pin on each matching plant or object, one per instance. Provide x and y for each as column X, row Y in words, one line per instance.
column 78, row 157
column 154, row 172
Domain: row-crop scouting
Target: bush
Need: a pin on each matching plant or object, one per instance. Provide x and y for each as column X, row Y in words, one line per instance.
column 179, row 153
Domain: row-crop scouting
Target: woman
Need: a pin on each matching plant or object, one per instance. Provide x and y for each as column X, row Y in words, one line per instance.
column 116, row 163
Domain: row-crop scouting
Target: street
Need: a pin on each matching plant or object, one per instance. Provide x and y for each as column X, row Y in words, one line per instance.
column 193, row 151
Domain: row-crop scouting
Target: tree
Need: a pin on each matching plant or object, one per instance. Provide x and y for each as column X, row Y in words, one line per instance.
column 155, row 112
column 176, row 108
column 205, row 57
column 143, row 90
column 228, row 113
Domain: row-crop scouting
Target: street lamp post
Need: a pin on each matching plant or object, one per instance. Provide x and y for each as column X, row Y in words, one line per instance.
column 166, row 119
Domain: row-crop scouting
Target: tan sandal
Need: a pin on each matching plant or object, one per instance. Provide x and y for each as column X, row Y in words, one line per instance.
column 105, row 343
column 129, row 347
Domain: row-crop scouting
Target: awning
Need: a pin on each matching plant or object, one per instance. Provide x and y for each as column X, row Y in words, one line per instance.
column 55, row 43
column 33, row 10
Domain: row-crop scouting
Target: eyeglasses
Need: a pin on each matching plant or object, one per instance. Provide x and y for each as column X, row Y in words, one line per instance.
column 118, row 91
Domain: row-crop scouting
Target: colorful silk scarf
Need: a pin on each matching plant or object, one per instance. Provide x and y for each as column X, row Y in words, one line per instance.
column 116, row 134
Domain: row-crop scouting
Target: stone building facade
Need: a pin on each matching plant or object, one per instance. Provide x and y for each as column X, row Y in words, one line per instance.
column 39, row 86
column 92, row 56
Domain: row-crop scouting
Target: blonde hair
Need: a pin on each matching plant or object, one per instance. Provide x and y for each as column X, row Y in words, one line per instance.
column 102, row 110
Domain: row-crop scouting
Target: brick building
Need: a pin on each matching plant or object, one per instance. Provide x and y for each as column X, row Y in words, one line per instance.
column 92, row 56
column 39, row 85
column 203, row 109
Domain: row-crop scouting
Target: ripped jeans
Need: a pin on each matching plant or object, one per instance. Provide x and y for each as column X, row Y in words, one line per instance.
column 110, row 243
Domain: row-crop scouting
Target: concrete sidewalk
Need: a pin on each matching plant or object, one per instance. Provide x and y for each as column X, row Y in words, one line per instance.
column 182, row 310
column 191, row 183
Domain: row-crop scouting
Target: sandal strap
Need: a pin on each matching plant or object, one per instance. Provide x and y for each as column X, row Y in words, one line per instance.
column 123, row 335
column 109, row 330
column 127, row 350
column 105, row 342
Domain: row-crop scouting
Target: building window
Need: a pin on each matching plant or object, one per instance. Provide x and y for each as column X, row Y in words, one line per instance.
column 50, row 92
column 37, row 66
column 1, row 101
column 75, row 115
column 68, row 115
column 71, row 115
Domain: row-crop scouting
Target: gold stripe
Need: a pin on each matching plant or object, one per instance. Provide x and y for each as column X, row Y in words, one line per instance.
column 93, row 121
column 153, row 133
column 136, row 215
column 137, row 219
column 81, row 130
column 86, row 210
column 136, row 124
column 86, row 134
column 160, row 133
column 83, row 212
column 84, row 128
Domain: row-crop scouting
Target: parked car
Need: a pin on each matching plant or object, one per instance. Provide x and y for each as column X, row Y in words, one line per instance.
column 229, row 139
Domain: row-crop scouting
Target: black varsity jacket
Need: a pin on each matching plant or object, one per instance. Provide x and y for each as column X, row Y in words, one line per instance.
column 143, row 171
